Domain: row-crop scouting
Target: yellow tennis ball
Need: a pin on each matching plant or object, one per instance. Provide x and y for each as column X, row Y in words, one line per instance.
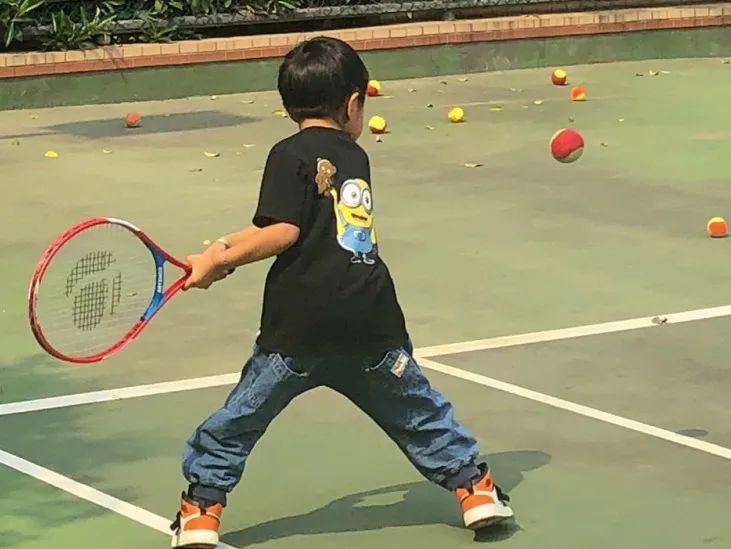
column 717, row 227
column 456, row 114
column 377, row 124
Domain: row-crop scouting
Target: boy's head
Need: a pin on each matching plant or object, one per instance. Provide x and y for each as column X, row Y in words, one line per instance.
column 324, row 78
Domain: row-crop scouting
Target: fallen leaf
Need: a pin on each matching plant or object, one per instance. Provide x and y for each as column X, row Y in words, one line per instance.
column 496, row 108
column 538, row 102
column 386, row 96
column 214, row 97
column 248, row 101
column 571, row 119
column 516, row 90
column 195, row 170
column 430, row 128
column 654, row 73
column 639, row 74
column 34, row 117
column 665, row 72
column 51, row 154
column 472, row 165
column 603, row 144
column 443, row 82
column 430, row 106
column 212, row 154
column 106, row 151
column 15, row 142
column 379, row 139
column 280, row 113
column 725, row 61
column 206, row 242
column 463, row 79
column 411, row 90
column 659, row 320
column 248, row 146
column 620, row 119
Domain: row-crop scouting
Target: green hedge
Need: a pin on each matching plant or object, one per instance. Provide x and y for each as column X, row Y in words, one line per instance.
column 55, row 24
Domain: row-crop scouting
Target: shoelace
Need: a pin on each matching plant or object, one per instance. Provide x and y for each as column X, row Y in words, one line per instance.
column 502, row 496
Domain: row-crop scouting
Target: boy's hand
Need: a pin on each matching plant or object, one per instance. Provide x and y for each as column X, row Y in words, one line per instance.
column 204, row 271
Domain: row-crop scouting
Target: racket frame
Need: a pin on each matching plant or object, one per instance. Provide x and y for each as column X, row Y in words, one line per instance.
column 159, row 298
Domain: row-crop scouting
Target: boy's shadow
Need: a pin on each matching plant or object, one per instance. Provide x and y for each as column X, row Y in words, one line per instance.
column 409, row 504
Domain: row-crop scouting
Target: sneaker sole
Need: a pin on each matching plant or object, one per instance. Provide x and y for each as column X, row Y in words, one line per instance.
column 195, row 539
column 486, row 515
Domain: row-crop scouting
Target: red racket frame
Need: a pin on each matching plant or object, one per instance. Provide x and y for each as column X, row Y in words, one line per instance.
column 138, row 326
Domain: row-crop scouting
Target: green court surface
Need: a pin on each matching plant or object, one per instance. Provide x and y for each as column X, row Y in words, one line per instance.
column 519, row 245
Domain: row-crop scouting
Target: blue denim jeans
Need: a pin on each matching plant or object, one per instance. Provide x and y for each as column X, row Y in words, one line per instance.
column 389, row 388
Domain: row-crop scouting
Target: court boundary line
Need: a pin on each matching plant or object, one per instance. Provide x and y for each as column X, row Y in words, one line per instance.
column 166, row 387
column 160, row 524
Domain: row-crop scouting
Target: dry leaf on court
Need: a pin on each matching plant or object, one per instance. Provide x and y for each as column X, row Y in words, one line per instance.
column 620, row 119
column 516, row 90
column 34, row 117
column 214, row 97
column 604, row 144
column 430, row 128
column 472, row 165
column 106, row 151
column 443, row 82
column 538, row 102
column 195, row 170
column 639, row 74
column 430, row 106
column 280, row 113
column 248, row 101
column 725, row 61
column 15, row 142
column 463, row 79
column 51, row 154
column 212, row 154
column 654, row 73
column 206, row 242
column 411, row 90
column 496, row 108
column 379, row 139
column 248, row 146
column 659, row 320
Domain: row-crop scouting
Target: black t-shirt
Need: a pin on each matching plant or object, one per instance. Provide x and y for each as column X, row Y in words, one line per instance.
column 330, row 294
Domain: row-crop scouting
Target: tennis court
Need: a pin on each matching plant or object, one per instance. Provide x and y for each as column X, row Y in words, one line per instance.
column 530, row 288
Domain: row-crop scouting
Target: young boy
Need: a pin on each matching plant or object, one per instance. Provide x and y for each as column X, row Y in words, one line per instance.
column 330, row 314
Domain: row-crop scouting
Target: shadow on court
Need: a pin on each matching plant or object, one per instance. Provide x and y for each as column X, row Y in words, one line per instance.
column 409, row 504
column 152, row 124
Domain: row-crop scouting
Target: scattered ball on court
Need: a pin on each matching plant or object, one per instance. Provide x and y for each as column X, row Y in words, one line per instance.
column 567, row 145
column 578, row 93
column 133, row 120
column 717, row 227
column 558, row 77
column 377, row 124
column 456, row 114
column 374, row 88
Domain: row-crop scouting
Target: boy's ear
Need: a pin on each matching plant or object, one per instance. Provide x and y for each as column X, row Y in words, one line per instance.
column 354, row 104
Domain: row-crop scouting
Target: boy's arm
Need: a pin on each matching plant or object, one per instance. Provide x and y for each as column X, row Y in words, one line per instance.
column 254, row 244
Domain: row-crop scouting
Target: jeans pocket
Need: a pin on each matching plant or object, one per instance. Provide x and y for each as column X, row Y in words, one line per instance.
column 287, row 366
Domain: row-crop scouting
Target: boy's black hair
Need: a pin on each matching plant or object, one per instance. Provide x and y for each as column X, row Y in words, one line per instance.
column 318, row 76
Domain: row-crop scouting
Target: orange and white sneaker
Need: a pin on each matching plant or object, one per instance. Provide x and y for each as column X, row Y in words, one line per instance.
column 483, row 503
column 196, row 526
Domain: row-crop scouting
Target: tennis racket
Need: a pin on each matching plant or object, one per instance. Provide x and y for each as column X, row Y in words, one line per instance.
column 96, row 287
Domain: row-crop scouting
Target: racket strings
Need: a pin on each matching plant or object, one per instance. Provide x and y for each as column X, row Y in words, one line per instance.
column 97, row 286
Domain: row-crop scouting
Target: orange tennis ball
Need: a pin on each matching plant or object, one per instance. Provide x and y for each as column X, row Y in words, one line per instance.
column 377, row 124
column 567, row 145
column 133, row 120
column 456, row 114
column 374, row 88
column 558, row 77
column 578, row 93
column 717, row 227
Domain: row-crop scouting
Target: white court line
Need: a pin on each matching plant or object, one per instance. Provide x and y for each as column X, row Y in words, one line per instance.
column 90, row 494
column 118, row 394
column 579, row 409
column 123, row 393
column 568, row 333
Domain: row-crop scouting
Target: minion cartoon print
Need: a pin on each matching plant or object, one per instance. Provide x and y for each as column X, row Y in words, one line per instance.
column 353, row 208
